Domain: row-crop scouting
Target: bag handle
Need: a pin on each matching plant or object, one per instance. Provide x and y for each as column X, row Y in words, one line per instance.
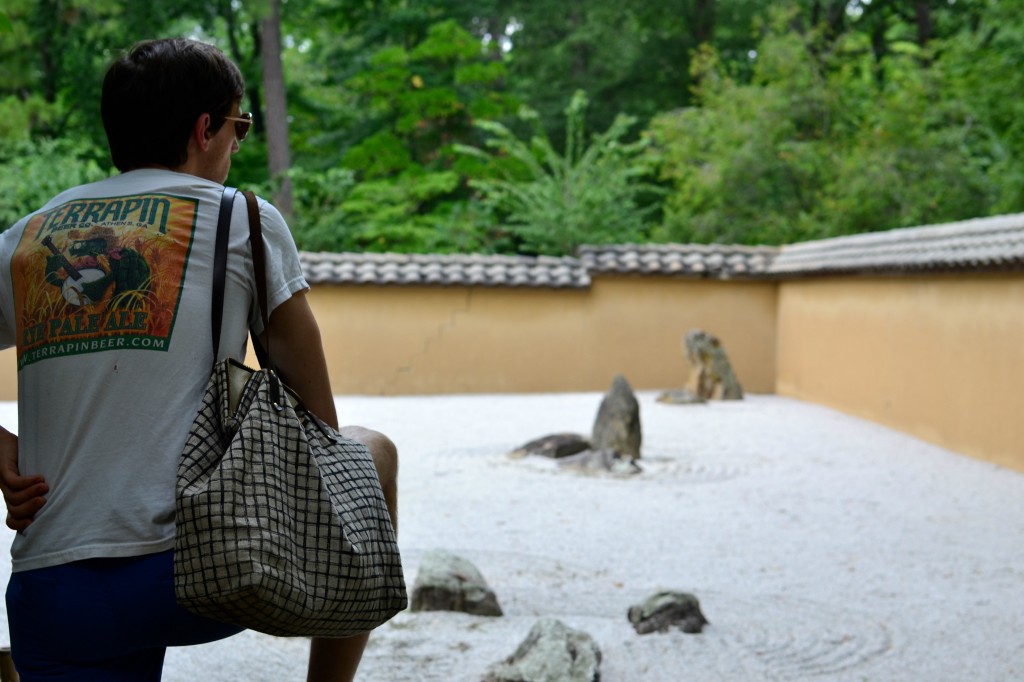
column 259, row 260
column 220, row 259
column 259, row 266
column 220, row 265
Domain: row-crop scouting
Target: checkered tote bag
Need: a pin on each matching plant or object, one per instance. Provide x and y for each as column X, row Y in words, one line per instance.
column 281, row 523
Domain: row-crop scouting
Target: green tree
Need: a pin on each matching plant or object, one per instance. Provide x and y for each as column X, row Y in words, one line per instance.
column 630, row 58
column 33, row 171
column 279, row 151
column 817, row 144
column 51, row 64
column 842, row 116
column 747, row 165
column 419, row 102
column 981, row 68
column 551, row 203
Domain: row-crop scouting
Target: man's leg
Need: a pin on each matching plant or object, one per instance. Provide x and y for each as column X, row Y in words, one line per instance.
column 336, row 660
column 385, row 458
column 101, row 620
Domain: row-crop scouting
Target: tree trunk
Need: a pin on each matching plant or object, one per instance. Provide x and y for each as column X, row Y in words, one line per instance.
column 581, row 50
column 923, row 13
column 495, row 28
column 48, row 18
column 279, row 155
column 879, row 48
column 704, row 21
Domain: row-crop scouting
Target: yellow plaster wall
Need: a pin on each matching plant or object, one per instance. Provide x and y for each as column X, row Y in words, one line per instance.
column 422, row 340
column 938, row 357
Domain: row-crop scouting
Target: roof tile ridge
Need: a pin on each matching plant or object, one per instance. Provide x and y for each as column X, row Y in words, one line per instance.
column 974, row 227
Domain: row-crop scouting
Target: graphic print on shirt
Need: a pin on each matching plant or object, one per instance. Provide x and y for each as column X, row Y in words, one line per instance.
column 99, row 274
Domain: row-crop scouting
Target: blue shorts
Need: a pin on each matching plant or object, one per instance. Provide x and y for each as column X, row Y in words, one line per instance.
column 101, row 620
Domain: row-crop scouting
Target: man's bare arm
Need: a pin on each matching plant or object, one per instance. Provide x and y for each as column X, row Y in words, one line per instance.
column 296, row 348
column 23, row 495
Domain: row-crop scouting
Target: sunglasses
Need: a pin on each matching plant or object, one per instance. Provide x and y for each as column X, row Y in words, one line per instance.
column 242, row 125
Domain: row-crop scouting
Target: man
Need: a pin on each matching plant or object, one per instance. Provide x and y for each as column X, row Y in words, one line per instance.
column 106, row 293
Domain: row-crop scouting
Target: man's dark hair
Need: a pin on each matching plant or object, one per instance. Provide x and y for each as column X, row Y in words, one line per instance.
column 153, row 95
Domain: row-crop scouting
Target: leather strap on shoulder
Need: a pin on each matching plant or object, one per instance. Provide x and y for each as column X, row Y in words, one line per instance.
column 220, row 264
column 259, row 266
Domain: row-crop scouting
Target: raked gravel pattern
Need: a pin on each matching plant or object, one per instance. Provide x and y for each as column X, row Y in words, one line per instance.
column 821, row 546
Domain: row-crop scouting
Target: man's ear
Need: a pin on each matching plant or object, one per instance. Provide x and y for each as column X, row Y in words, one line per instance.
column 201, row 133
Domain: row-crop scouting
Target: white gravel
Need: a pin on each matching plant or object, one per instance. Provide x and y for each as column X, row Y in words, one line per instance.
column 819, row 545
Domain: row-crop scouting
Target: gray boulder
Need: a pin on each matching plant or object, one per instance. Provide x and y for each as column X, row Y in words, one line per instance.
column 665, row 610
column 555, row 446
column 552, row 652
column 447, row 582
column 711, row 377
column 617, row 426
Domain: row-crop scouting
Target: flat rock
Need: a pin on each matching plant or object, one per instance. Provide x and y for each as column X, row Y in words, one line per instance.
column 551, row 652
column 665, row 610
column 555, row 446
column 447, row 582
column 680, row 396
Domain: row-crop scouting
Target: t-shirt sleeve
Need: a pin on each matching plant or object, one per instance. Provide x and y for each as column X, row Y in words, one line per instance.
column 284, row 271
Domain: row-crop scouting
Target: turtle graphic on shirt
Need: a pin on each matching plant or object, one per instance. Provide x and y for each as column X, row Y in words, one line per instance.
column 96, row 268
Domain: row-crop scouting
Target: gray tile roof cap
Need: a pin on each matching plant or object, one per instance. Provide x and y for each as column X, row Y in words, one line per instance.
column 721, row 261
column 446, row 270
column 980, row 245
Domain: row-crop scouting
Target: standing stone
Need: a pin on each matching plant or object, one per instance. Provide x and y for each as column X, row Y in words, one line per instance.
column 617, row 426
column 552, row 652
column 712, row 377
column 447, row 582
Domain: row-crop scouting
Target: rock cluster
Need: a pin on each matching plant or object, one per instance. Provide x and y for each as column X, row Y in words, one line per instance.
column 614, row 443
column 551, row 651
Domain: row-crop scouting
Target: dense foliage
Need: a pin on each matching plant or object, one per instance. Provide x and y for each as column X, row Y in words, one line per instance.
column 526, row 126
column 552, row 202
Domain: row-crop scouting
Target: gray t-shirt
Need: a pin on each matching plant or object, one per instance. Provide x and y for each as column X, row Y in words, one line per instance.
column 106, row 293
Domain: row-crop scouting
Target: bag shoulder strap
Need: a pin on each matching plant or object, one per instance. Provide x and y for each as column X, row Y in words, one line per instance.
column 220, row 264
column 259, row 266
column 259, row 260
